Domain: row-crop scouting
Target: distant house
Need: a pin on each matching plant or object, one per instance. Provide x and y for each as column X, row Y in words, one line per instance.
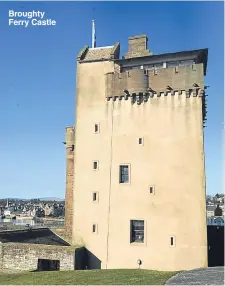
column 47, row 210
column 216, row 211
column 210, row 210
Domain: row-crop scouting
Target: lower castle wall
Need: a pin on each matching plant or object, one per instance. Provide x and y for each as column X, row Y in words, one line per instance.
column 21, row 256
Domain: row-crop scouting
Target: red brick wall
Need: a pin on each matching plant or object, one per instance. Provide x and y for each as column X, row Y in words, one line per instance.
column 69, row 182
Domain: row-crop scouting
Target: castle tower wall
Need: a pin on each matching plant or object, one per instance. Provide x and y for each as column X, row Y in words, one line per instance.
column 166, row 186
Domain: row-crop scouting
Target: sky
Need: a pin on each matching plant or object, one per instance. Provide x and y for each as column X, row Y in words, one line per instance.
column 38, row 73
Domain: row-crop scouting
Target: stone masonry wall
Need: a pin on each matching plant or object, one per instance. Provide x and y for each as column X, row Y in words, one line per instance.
column 21, row 256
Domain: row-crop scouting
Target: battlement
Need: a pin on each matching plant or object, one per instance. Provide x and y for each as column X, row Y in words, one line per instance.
column 126, row 83
column 141, row 84
column 154, row 82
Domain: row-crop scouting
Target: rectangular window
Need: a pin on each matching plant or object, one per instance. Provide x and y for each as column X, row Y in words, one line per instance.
column 97, row 128
column 124, row 174
column 172, row 64
column 186, row 63
column 158, row 66
column 137, row 231
column 149, row 67
column 95, row 165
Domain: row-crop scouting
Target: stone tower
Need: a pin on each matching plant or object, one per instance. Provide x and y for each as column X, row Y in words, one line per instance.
column 69, row 143
column 139, row 179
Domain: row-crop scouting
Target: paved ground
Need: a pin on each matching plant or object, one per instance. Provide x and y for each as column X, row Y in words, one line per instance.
column 203, row 276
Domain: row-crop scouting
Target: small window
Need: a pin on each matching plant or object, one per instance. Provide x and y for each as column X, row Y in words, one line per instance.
column 186, row 63
column 172, row 241
column 94, row 228
column 124, row 174
column 95, row 165
column 97, row 129
column 149, row 67
column 151, row 190
column 137, row 231
column 95, row 197
column 140, row 141
column 172, row 64
column 158, row 66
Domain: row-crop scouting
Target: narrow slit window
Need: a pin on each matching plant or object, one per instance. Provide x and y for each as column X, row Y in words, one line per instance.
column 151, row 190
column 95, row 197
column 97, row 128
column 140, row 141
column 94, row 228
column 95, row 165
column 172, row 241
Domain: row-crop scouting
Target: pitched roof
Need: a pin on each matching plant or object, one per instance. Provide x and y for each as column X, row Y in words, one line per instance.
column 34, row 236
column 98, row 53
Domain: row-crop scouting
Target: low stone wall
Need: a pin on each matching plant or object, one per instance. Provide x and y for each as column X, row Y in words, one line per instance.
column 21, row 256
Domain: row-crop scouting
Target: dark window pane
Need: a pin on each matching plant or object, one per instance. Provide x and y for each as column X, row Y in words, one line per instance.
column 172, row 64
column 124, row 174
column 158, row 66
column 140, row 140
column 137, row 231
column 95, row 165
column 94, row 196
column 186, row 63
column 96, row 127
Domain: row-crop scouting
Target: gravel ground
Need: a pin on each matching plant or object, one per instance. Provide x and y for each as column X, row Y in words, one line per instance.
column 203, row 276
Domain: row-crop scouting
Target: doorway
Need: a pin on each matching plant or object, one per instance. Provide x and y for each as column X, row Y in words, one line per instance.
column 48, row 265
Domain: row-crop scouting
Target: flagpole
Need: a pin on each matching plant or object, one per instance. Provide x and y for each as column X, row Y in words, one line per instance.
column 93, row 35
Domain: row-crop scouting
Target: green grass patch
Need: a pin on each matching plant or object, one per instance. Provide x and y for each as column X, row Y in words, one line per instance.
column 88, row 277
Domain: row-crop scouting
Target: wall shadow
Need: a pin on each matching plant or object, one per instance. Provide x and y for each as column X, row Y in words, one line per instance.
column 84, row 259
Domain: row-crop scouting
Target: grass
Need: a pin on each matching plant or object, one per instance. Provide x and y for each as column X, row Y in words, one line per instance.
column 88, row 277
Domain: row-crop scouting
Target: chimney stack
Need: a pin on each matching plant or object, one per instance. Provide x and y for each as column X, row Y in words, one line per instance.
column 137, row 47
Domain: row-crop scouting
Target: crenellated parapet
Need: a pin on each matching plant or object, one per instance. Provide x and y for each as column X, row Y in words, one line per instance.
column 139, row 85
column 126, row 83
column 157, row 81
